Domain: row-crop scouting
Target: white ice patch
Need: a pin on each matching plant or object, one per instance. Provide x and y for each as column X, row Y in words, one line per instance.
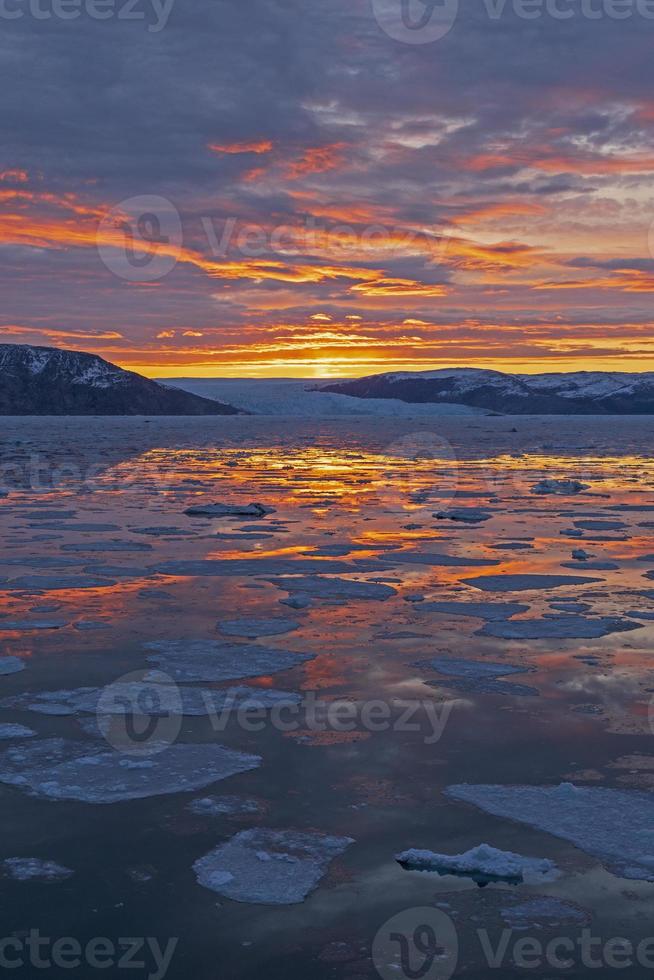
column 34, row 869
column 11, row 665
column 615, row 826
column 520, row 583
column 269, row 867
column 467, row 515
column 60, row 769
column 15, row 731
column 542, row 910
column 432, row 558
column 205, row 660
column 252, row 627
column 215, row 806
column 334, row 588
column 163, row 699
column 558, row 627
column 483, row 864
column 562, row 487
column 490, row 611
column 229, row 510
column 54, row 583
column 27, row 625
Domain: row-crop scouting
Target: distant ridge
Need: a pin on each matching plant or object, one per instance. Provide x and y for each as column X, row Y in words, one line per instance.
column 577, row 393
column 51, row 381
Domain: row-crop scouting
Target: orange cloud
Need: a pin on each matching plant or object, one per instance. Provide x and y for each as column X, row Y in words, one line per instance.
column 258, row 146
column 316, row 160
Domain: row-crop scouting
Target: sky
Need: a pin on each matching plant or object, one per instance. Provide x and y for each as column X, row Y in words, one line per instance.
column 270, row 188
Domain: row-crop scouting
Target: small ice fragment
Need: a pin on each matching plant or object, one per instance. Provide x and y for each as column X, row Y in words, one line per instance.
column 484, row 864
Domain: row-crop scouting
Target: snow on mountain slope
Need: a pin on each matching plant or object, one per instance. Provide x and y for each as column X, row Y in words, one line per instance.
column 581, row 392
column 50, row 381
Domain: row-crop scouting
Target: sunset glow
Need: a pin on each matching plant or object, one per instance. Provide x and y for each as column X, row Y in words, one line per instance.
column 456, row 210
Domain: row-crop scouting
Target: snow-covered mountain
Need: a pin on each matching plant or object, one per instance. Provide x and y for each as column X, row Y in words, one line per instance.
column 578, row 393
column 50, row 381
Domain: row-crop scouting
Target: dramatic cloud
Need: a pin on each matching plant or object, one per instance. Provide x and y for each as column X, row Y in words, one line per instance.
column 269, row 188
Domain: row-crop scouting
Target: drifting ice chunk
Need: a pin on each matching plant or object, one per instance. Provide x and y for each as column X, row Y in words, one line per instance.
column 26, row 625
column 164, row 699
column 615, row 826
column 11, row 665
column 478, row 610
column 516, row 583
column 33, row 869
column 432, row 558
column 252, row 627
column 469, row 515
column 60, row 769
column 204, row 660
column 570, row 627
column 269, row 867
column 15, row 731
column 213, row 806
column 564, row 487
column 542, row 908
column 229, row 510
column 333, row 588
column 53, row 583
column 483, row 864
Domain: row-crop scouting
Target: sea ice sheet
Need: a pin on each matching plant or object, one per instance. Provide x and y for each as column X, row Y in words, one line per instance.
column 62, row 769
column 269, row 867
column 208, row 660
column 615, row 826
column 518, row 583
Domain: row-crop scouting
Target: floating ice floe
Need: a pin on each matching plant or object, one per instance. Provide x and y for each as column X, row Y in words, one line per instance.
column 206, row 660
column 333, row 588
column 269, row 867
column 54, row 583
column 253, row 627
column 563, row 487
column 467, row 515
column 34, row 869
column 163, row 699
column 615, row 826
column 11, row 665
column 215, row 806
column 298, row 601
column 101, row 546
column 592, row 566
column 594, row 525
column 480, row 676
column 477, row 610
column 15, row 731
column 563, row 627
column 229, row 510
column 518, row 583
column 484, row 864
column 432, row 558
column 26, row 625
column 542, row 910
column 61, row 769
column 267, row 566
